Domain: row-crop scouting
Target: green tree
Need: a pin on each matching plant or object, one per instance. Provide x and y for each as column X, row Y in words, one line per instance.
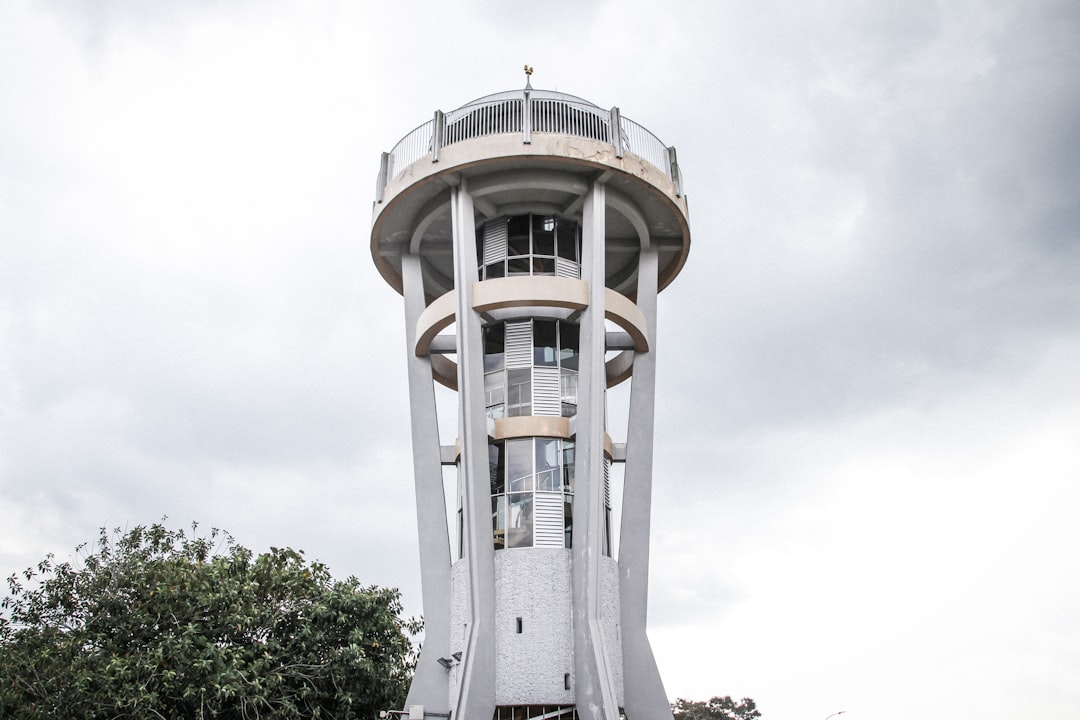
column 718, row 708
column 153, row 623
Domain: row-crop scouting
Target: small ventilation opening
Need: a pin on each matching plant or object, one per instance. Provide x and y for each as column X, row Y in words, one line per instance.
column 519, row 626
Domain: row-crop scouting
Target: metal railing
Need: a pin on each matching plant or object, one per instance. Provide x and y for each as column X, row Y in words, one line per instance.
column 537, row 111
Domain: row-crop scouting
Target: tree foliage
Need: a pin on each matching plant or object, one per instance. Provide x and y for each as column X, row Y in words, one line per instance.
column 153, row 623
column 718, row 708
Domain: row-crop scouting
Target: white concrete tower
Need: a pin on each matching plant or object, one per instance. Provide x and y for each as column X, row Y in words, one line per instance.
column 529, row 233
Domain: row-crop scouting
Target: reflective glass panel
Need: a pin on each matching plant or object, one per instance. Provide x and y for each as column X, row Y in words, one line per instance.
column 543, row 235
column 494, row 346
column 568, row 464
column 519, row 266
column 543, row 266
column 569, row 336
column 544, row 343
column 548, row 475
column 567, row 234
column 495, row 270
column 517, row 242
column 498, row 520
column 518, row 392
column 497, row 467
column 519, row 465
column 519, row 520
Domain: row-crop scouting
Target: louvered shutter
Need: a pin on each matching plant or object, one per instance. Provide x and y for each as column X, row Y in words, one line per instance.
column 565, row 268
column 494, row 242
column 546, row 396
column 519, row 345
column 548, row 520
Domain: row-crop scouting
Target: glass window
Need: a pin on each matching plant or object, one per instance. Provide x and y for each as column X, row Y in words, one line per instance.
column 518, row 392
column 567, row 233
column 522, row 467
column 568, row 458
column 543, row 235
column 544, row 343
column 494, row 347
column 569, row 341
column 519, row 266
column 543, row 266
column 533, row 242
column 497, row 467
column 498, row 520
column 547, row 465
column 519, row 520
column 517, row 241
column 519, row 465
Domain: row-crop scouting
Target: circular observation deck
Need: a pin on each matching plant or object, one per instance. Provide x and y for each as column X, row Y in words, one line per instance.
column 531, row 151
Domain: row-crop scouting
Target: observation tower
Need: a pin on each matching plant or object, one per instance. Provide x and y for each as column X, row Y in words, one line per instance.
column 529, row 233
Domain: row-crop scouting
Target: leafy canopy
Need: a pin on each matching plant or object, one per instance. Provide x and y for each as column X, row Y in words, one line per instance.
column 718, row 708
column 156, row 624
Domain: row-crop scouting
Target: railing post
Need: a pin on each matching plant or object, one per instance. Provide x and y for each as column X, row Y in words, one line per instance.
column 616, row 132
column 526, row 119
column 675, row 176
column 438, row 125
column 384, row 176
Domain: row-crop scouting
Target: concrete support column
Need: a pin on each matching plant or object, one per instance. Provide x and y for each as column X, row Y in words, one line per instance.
column 594, row 691
column 476, row 689
column 429, row 686
column 644, row 691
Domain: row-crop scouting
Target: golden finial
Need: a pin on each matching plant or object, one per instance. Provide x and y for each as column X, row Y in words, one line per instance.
column 528, row 70
column 528, row 78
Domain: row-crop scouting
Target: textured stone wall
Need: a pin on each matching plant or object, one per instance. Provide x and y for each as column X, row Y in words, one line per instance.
column 534, row 585
column 530, row 666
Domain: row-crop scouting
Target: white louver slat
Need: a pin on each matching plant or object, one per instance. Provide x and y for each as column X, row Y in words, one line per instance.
column 547, row 399
column 548, row 520
column 563, row 268
column 495, row 242
column 519, row 345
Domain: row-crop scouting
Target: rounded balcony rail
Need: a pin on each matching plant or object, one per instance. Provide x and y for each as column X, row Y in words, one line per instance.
column 525, row 113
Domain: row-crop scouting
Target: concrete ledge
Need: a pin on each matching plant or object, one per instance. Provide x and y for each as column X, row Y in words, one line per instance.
column 531, row 291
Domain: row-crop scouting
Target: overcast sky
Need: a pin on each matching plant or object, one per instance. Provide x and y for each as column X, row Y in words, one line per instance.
column 867, row 478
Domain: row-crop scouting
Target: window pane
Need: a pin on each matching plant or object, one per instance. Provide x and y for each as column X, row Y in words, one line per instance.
column 568, row 240
column 495, row 270
column 519, row 266
column 568, row 465
column 543, row 235
column 498, row 520
column 519, row 465
column 569, row 336
column 548, row 474
column 494, row 347
column 518, row 392
column 543, row 266
column 517, row 243
column 519, row 520
column 497, row 467
column 568, row 518
column 568, row 391
column 544, row 343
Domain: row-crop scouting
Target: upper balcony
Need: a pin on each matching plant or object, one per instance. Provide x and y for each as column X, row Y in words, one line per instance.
column 524, row 113
column 529, row 151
